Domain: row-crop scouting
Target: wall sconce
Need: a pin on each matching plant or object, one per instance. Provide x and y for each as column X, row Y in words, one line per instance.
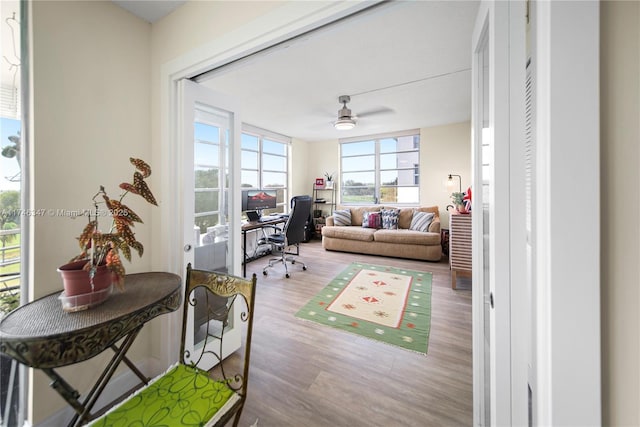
column 450, row 182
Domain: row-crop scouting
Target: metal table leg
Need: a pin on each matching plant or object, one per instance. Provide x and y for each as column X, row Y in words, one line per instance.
column 68, row 393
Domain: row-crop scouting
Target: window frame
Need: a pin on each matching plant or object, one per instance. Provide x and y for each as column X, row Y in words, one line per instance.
column 412, row 169
column 262, row 135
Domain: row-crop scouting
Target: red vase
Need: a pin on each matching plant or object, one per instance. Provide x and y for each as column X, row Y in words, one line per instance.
column 78, row 293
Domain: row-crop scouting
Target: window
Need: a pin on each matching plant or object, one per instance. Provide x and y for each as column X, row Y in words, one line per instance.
column 14, row 180
column 265, row 163
column 208, row 181
column 381, row 169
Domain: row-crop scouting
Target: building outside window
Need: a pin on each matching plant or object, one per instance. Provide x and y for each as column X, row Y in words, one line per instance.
column 381, row 169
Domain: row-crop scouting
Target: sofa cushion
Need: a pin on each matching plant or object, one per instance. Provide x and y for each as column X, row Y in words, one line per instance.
column 342, row 217
column 409, row 237
column 406, row 215
column 421, row 221
column 349, row 233
column 371, row 220
column 390, row 218
column 358, row 212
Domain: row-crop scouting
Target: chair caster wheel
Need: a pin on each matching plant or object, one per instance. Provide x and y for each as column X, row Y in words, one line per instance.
column 304, row 268
column 286, row 275
column 293, row 262
column 264, row 273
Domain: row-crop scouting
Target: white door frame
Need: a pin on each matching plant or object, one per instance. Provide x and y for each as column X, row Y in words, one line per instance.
column 566, row 378
column 494, row 28
column 195, row 100
column 555, row 336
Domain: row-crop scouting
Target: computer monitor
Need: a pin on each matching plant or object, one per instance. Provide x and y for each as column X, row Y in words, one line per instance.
column 254, row 200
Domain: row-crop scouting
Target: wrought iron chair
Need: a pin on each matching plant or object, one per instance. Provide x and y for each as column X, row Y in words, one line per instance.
column 292, row 235
column 186, row 394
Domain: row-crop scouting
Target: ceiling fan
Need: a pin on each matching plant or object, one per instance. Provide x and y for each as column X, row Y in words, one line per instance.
column 346, row 120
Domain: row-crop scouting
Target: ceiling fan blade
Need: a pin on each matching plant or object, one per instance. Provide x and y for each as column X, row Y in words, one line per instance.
column 375, row 112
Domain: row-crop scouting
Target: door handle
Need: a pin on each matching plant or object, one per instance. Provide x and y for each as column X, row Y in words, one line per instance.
column 491, row 299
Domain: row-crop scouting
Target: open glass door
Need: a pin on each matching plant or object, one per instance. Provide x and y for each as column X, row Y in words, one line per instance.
column 211, row 141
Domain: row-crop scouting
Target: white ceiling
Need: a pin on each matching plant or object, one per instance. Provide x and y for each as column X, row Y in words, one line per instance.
column 408, row 61
column 150, row 10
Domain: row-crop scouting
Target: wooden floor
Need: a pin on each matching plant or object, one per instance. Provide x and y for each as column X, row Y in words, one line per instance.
column 305, row 374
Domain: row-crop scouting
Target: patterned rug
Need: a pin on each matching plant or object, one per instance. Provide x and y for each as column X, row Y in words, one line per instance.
column 386, row 304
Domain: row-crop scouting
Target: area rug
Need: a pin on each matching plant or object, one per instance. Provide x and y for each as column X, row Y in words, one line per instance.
column 387, row 304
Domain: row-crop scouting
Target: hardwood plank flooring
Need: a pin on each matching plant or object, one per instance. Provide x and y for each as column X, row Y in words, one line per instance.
column 305, row 374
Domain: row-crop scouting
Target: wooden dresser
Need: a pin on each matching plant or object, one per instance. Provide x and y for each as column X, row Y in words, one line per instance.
column 459, row 246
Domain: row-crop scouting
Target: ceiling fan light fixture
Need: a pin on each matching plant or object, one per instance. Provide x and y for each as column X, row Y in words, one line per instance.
column 345, row 119
column 344, row 124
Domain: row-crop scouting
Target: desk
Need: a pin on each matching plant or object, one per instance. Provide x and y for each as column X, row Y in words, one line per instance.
column 254, row 225
column 43, row 336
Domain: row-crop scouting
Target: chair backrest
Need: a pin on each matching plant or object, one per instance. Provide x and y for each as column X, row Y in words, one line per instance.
column 218, row 292
column 294, row 228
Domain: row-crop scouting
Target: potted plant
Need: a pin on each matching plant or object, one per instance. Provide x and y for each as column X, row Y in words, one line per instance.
column 458, row 200
column 99, row 264
column 329, row 184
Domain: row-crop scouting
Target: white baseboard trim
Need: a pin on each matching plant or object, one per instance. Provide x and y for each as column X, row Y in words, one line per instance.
column 118, row 386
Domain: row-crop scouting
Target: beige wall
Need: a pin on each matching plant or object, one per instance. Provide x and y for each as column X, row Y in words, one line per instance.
column 324, row 157
column 299, row 167
column 620, row 203
column 444, row 150
column 91, row 110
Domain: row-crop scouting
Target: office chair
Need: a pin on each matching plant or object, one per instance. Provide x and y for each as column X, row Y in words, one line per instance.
column 292, row 234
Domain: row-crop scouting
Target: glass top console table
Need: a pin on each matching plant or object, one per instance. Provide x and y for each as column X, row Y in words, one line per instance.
column 43, row 336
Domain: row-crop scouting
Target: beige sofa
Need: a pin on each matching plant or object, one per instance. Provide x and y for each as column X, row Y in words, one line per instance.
column 401, row 243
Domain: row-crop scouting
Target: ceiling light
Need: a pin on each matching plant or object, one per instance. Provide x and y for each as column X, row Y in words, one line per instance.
column 344, row 124
column 345, row 120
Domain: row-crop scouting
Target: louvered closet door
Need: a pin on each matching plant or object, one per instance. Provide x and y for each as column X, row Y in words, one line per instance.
column 460, row 246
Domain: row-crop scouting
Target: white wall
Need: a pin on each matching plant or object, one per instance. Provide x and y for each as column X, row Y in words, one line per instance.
column 620, row 202
column 91, row 109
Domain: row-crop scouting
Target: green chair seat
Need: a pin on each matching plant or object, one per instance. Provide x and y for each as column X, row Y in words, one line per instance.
column 183, row 396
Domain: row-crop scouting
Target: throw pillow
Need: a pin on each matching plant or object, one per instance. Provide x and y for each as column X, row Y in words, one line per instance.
column 390, row 218
column 421, row 221
column 342, row 217
column 371, row 220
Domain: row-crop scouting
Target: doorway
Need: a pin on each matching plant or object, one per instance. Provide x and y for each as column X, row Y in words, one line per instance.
column 185, row 68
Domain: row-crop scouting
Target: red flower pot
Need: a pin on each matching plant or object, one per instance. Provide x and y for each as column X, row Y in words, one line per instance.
column 78, row 293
